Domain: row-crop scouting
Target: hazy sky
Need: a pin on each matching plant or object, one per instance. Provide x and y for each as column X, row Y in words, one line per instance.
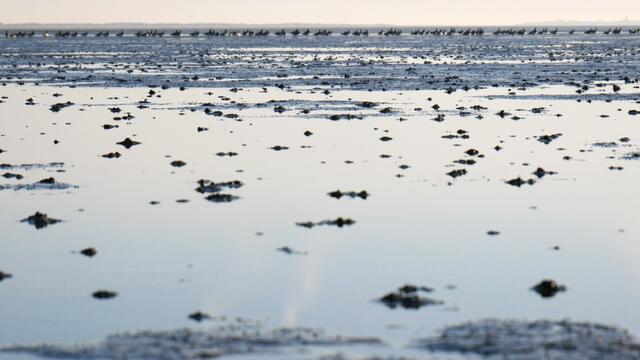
column 402, row 12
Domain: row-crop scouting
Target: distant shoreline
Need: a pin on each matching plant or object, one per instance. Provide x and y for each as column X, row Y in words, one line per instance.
column 197, row 26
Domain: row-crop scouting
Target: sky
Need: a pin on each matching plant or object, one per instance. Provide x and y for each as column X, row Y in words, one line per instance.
column 399, row 12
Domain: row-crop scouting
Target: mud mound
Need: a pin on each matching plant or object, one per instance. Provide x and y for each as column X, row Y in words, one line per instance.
column 523, row 340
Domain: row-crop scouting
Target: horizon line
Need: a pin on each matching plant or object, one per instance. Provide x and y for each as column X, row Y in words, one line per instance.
column 322, row 24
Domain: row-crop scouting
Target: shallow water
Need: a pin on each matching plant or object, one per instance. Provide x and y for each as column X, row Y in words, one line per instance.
column 168, row 260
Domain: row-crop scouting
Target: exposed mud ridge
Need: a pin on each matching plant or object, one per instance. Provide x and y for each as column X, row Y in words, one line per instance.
column 44, row 184
column 578, row 96
column 185, row 344
column 523, row 340
column 632, row 156
column 377, row 62
column 339, row 222
column 31, row 166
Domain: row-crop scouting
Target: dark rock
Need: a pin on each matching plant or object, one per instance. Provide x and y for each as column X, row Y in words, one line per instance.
column 547, row 139
column 456, row 173
column 111, row 155
column 40, row 220
column 548, row 288
column 89, row 252
column 49, row 180
column 352, row 194
column 408, row 289
column 439, row 118
column 12, row 176
column 465, row 162
column 367, row 104
column 407, row 300
column 230, row 153
column 336, row 117
column 221, row 198
column 104, row 294
column 4, row 276
column 540, row 173
column 289, row 251
column 125, row 117
column 519, row 182
column 178, row 163
column 208, row 186
column 128, row 143
column 59, row 106
column 452, row 136
column 199, row 316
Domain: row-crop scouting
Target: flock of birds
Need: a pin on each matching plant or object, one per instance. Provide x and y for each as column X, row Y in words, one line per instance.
column 308, row 32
